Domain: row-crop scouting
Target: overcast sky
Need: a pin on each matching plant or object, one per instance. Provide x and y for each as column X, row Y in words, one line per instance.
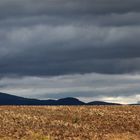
column 89, row 49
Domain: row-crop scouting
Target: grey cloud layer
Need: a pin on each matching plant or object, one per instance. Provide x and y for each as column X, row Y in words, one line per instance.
column 86, row 87
column 44, row 37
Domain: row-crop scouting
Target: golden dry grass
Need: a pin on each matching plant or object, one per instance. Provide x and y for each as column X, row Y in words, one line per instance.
column 70, row 123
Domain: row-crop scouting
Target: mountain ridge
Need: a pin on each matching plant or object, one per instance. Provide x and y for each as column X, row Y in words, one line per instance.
column 8, row 99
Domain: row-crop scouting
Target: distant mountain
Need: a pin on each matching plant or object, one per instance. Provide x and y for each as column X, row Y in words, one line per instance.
column 7, row 99
column 101, row 103
column 69, row 101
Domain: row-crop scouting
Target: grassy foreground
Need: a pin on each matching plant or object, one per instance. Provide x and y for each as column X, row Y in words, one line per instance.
column 70, row 123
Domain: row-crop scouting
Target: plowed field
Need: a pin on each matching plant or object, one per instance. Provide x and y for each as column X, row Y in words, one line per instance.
column 70, row 122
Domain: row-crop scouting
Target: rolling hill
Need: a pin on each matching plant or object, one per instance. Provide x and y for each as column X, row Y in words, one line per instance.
column 7, row 99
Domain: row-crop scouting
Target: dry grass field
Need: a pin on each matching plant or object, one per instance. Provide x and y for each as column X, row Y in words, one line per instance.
column 70, row 123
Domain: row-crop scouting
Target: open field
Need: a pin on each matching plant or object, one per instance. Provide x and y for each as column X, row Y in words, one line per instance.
column 70, row 123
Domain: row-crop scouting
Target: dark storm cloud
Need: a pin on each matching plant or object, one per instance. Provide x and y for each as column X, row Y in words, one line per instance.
column 44, row 37
column 64, row 7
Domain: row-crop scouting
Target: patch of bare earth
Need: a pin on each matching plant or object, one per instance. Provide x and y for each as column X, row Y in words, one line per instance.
column 70, row 123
